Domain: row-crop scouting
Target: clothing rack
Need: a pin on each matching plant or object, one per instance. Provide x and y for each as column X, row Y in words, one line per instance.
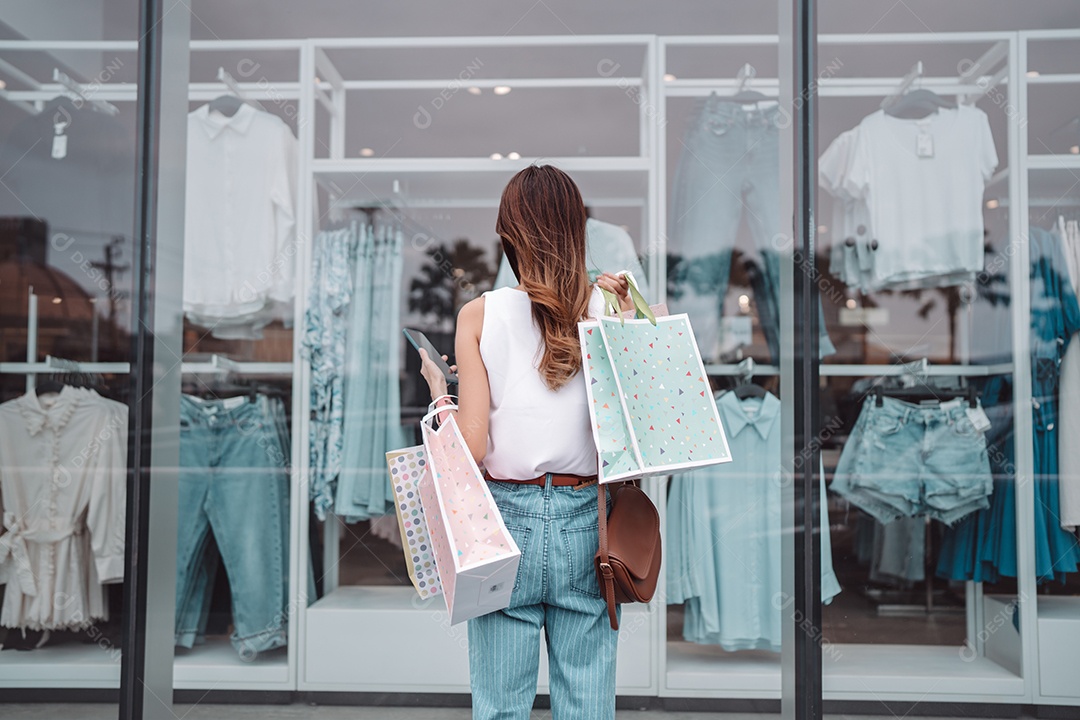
column 234, row 87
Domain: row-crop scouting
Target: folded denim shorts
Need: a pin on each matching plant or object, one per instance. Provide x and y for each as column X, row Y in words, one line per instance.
column 904, row 459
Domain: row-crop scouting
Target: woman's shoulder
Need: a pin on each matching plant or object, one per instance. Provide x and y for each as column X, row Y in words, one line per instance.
column 472, row 313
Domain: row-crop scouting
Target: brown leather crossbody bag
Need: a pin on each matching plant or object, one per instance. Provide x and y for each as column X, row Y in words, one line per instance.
column 628, row 561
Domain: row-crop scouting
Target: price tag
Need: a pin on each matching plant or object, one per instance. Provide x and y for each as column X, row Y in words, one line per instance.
column 59, row 146
column 978, row 418
column 924, row 144
column 59, row 141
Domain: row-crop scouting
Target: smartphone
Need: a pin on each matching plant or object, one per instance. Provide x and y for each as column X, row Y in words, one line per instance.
column 419, row 340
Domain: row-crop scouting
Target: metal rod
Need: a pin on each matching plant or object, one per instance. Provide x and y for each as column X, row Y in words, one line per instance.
column 31, row 337
column 80, row 91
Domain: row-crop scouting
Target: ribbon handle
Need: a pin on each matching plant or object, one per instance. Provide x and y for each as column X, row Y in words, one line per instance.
column 642, row 311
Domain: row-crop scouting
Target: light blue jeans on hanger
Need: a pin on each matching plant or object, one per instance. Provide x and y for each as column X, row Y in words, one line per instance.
column 234, row 484
column 556, row 591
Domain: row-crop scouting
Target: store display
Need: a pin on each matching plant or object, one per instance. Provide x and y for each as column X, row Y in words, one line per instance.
column 240, row 245
column 984, row 547
column 728, row 173
column 233, row 507
column 63, row 483
column 922, row 182
column 904, row 459
column 352, row 339
column 724, row 532
column 608, row 249
column 408, row 468
column 652, row 410
column 476, row 556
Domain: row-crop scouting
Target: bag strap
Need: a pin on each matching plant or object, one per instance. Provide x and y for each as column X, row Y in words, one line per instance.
column 608, row 590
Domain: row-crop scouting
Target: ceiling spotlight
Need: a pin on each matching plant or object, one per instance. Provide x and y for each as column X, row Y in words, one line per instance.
column 822, row 229
column 473, row 90
column 367, row 152
column 3, row 85
column 513, row 156
column 501, row 89
column 1075, row 149
column 496, row 156
column 668, row 77
column 851, row 304
column 57, row 301
column 1032, row 73
column 991, row 204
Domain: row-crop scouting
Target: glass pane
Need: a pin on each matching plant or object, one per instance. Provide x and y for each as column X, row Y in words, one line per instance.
column 917, row 276
column 1053, row 202
column 67, row 205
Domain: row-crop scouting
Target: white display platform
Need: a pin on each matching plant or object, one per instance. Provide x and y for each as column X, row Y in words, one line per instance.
column 1059, row 643
column 917, row 672
column 386, row 639
column 67, row 666
column 214, row 665
column 708, row 671
column 851, row 672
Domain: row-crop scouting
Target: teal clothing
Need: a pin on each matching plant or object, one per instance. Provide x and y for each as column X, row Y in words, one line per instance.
column 724, row 531
column 371, row 417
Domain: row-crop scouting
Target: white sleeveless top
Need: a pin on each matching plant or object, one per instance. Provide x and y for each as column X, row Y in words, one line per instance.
column 532, row 430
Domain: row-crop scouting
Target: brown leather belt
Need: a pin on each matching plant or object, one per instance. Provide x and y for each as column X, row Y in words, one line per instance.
column 557, row 480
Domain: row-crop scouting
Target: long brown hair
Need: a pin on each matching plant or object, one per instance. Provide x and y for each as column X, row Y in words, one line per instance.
column 542, row 226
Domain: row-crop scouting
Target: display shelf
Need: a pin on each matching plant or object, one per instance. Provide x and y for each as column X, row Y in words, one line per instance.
column 916, row 672
column 474, row 182
column 1059, row 636
column 64, row 666
column 708, row 671
column 216, row 665
column 1061, row 162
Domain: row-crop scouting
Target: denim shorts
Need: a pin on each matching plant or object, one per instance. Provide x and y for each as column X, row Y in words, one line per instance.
column 904, row 459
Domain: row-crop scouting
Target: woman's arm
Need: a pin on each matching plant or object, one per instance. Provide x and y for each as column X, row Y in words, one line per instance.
column 474, row 393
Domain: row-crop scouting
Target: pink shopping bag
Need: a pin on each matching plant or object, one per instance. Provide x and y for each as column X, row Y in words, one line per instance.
column 476, row 557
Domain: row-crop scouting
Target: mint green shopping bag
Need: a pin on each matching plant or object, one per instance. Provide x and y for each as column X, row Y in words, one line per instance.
column 652, row 409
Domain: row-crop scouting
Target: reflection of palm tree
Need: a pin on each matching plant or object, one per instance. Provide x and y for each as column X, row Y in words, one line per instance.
column 452, row 276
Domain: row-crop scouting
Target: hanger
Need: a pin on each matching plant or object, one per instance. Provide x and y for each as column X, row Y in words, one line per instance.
column 742, row 92
column 745, row 388
column 913, row 104
column 918, row 104
column 227, row 105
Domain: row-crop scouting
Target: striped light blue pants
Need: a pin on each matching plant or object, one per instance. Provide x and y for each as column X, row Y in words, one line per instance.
column 556, row 590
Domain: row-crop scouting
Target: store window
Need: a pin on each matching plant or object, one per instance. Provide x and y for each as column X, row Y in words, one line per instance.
column 67, row 212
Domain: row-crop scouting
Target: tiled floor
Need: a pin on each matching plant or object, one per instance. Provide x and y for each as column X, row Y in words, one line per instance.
column 307, row 712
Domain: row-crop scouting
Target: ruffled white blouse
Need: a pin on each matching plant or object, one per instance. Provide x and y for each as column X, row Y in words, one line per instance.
column 62, row 491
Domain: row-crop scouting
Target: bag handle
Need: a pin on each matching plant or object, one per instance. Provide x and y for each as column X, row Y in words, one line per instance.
column 426, row 420
column 608, row 590
column 642, row 310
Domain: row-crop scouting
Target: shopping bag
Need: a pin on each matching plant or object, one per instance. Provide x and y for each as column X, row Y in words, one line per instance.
column 652, row 409
column 475, row 555
column 407, row 467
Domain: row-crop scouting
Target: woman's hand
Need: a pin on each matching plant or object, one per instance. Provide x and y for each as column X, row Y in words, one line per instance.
column 435, row 379
column 619, row 286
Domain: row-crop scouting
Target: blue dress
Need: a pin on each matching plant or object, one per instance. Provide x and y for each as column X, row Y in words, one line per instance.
column 983, row 547
column 724, row 532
